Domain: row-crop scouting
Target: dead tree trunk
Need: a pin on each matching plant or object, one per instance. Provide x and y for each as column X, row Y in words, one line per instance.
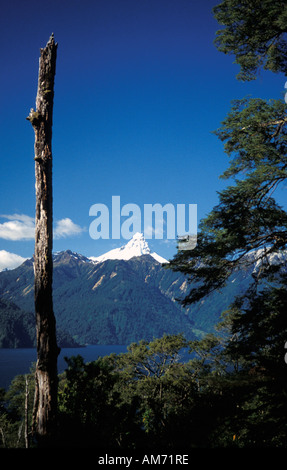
column 45, row 401
column 26, row 412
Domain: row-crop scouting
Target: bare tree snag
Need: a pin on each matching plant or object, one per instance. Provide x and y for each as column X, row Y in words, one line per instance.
column 46, row 377
column 26, row 411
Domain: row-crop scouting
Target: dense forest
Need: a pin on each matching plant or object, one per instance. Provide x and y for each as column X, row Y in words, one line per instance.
column 232, row 391
column 148, row 398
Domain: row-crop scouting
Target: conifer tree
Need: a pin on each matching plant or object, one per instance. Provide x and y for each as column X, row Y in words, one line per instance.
column 248, row 225
column 254, row 135
column 247, row 217
column 255, row 32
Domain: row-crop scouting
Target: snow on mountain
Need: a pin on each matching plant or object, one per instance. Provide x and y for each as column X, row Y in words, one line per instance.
column 71, row 254
column 260, row 257
column 137, row 246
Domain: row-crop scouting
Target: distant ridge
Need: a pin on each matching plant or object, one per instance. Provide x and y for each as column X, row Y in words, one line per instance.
column 116, row 301
column 127, row 296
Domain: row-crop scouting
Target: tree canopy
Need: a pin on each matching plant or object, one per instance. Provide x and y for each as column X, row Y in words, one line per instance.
column 247, row 217
column 255, row 32
column 249, row 225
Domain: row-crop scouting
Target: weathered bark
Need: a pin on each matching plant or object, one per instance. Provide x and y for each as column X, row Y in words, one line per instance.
column 45, row 402
column 26, row 412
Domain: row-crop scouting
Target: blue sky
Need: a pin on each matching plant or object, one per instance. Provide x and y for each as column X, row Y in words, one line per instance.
column 139, row 89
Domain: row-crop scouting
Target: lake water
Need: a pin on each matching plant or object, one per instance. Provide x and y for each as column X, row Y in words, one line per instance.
column 18, row 361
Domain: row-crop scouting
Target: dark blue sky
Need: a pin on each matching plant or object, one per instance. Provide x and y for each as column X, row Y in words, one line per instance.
column 139, row 89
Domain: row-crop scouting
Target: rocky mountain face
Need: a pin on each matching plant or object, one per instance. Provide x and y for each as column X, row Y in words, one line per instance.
column 114, row 300
column 109, row 302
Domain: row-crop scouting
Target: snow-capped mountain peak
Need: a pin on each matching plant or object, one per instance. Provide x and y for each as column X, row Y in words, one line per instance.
column 137, row 246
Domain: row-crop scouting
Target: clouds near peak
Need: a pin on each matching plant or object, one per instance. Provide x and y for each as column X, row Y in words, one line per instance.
column 10, row 260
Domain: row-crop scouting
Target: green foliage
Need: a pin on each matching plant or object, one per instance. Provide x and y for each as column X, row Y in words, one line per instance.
column 260, row 328
column 247, row 217
column 241, row 372
column 155, row 358
column 91, row 410
column 12, row 412
column 254, row 133
column 17, row 328
column 255, row 32
column 149, row 398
